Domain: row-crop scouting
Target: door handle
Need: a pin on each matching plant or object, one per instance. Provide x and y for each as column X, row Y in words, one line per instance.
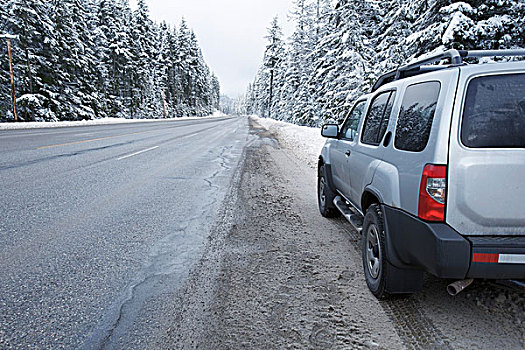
column 347, row 153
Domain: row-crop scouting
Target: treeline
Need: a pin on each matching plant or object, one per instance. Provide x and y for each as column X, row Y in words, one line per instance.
column 85, row 59
column 339, row 49
column 232, row 106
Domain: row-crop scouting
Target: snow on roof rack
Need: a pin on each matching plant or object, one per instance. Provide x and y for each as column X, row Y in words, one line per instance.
column 456, row 59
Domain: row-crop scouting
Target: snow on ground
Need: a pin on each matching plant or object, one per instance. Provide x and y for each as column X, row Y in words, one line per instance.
column 305, row 142
column 102, row 121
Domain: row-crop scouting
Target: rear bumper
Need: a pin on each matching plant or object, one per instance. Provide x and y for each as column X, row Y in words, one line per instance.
column 440, row 250
column 497, row 257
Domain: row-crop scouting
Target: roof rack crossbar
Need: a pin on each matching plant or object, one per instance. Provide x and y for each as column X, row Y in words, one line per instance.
column 454, row 56
column 493, row 53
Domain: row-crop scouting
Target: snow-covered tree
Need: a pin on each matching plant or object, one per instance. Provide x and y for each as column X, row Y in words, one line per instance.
column 272, row 69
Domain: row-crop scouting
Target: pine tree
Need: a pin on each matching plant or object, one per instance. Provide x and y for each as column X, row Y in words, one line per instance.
column 215, row 91
column 274, row 56
column 113, row 56
column 163, row 66
column 182, row 70
column 174, row 74
column 142, row 52
column 85, row 59
column 298, row 69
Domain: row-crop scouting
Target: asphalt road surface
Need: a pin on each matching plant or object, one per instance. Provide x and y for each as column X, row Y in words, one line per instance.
column 100, row 225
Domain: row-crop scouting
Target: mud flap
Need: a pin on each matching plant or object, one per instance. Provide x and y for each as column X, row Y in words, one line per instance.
column 403, row 281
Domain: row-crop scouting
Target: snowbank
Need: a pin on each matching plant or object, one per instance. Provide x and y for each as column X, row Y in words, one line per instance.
column 103, row 121
column 305, row 142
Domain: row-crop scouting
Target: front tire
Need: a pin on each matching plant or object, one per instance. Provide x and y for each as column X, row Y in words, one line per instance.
column 325, row 195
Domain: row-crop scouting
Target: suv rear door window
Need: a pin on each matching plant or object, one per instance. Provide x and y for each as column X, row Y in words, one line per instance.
column 378, row 116
column 416, row 116
column 494, row 112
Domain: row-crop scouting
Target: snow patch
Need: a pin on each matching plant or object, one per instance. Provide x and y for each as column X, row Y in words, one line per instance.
column 304, row 142
column 457, row 7
column 102, row 121
column 458, row 20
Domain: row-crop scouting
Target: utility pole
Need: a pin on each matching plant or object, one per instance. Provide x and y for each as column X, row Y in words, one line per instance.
column 271, row 64
column 271, row 93
column 8, row 38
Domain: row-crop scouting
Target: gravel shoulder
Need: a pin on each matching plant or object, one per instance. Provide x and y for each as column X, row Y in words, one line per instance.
column 275, row 274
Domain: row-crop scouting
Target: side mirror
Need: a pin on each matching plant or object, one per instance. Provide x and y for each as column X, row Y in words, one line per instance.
column 330, row 130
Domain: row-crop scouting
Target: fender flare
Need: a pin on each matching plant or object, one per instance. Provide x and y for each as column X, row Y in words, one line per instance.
column 327, row 173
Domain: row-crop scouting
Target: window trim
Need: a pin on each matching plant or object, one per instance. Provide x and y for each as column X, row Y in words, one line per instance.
column 372, row 99
column 401, row 106
column 365, row 100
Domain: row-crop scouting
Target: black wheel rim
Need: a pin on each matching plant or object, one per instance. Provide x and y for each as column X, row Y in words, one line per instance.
column 373, row 251
column 322, row 194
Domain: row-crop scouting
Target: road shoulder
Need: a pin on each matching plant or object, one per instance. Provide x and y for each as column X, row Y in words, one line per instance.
column 273, row 276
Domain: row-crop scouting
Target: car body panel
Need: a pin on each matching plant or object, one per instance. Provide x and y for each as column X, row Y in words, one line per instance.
column 409, row 165
column 340, row 173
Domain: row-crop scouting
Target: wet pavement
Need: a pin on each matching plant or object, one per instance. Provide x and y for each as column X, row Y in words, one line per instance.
column 101, row 225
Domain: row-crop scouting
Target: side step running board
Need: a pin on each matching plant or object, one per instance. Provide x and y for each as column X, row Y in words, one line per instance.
column 354, row 218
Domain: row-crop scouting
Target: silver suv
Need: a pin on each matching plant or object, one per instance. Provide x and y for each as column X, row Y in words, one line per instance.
column 430, row 167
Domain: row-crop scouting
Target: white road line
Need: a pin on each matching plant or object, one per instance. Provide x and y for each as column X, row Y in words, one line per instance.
column 137, row 153
column 195, row 133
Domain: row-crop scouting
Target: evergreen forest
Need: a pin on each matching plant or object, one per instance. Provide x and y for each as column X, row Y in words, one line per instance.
column 87, row 59
column 339, row 48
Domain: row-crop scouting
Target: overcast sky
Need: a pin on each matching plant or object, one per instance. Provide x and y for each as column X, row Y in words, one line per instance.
column 230, row 32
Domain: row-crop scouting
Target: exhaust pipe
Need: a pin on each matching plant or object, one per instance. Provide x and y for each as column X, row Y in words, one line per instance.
column 458, row 286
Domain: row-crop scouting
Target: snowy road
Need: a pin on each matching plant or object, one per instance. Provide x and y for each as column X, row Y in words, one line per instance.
column 100, row 226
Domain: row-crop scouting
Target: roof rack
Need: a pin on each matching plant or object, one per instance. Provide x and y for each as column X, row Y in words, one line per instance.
column 456, row 59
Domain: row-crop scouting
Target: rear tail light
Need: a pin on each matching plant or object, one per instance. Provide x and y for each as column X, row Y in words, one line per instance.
column 432, row 193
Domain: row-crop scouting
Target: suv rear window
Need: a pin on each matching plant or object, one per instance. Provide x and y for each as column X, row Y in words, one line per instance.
column 416, row 116
column 494, row 112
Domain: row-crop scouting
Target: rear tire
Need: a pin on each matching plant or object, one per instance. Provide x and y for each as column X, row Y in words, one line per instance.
column 382, row 278
column 325, row 195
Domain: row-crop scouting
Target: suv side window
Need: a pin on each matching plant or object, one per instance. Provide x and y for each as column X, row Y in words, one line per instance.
column 349, row 129
column 416, row 116
column 378, row 116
